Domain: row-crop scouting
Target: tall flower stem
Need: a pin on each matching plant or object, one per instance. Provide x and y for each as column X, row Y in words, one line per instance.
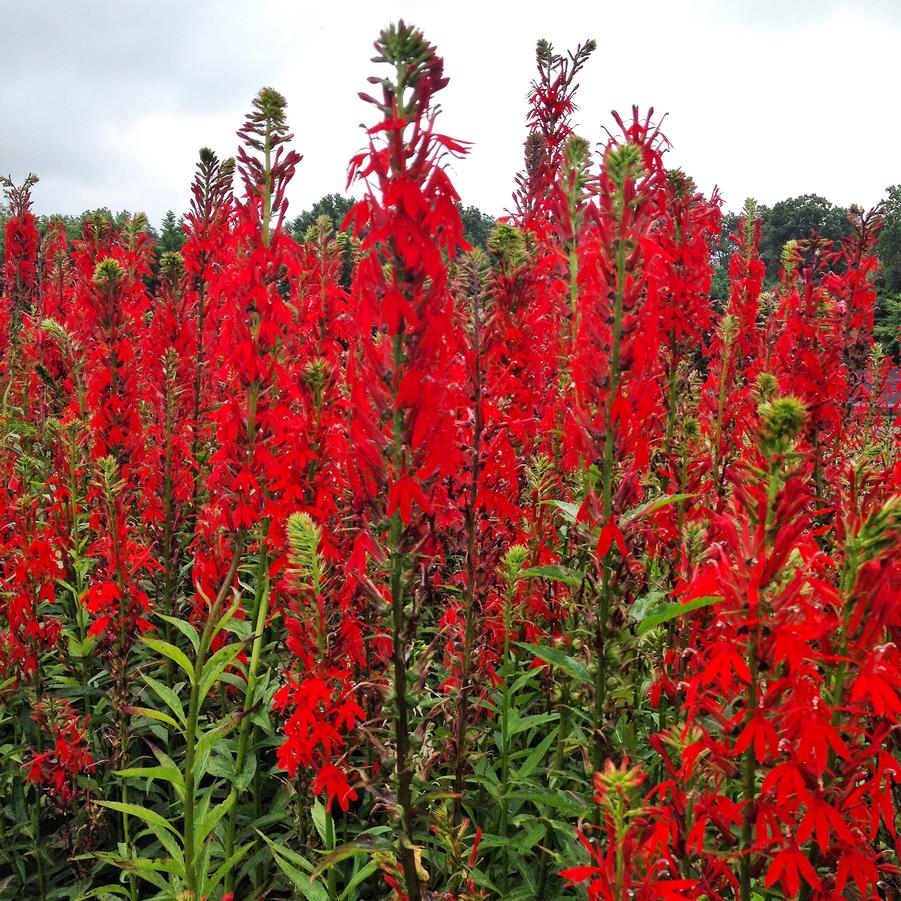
column 606, row 598
column 782, row 420
column 397, row 570
column 193, row 879
column 472, row 555
column 261, row 614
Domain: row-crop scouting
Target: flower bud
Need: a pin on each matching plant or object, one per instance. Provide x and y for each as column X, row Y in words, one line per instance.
column 783, row 418
column 507, row 244
column 624, row 162
column 514, row 562
column 108, row 273
column 767, row 386
column 728, row 329
column 172, row 267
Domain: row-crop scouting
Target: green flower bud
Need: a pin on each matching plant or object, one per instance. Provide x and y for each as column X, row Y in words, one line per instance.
column 728, row 329
column 789, row 255
column 767, row 386
column 172, row 267
column 783, row 418
column 108, row 273
column 271, row 105
column 507, row 244
column 304, row 537
column 624, row 162
column 514, row 562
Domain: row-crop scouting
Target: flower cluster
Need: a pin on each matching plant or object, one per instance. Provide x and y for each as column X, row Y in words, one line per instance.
column 366, row 562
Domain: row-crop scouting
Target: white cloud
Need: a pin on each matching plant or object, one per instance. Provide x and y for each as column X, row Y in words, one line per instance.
column 765, row 98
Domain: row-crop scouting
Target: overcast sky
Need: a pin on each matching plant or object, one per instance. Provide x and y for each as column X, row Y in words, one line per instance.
column 108, row 101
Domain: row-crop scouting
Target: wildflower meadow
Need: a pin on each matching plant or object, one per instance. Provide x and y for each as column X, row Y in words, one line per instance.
column 370, row 564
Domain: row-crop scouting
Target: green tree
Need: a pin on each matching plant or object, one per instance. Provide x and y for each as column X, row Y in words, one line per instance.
column 721, row 252
column 171, row 235
column 888, row 281
column 791, row 219
column 887, row 328
column 336, row 206
column 794, row 219
column 477, row 225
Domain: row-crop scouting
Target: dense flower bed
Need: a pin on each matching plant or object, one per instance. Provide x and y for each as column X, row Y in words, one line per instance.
column 527, row 573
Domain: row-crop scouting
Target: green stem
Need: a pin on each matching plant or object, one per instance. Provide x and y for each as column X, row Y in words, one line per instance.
column 260, row 616
column 505, row 734
column 401, row 718
column 397, row 569
column 720, row 409
column 848, row 579
column 606, row 598
column 267, row 183
column 472, row 563
column 749, row 779
column 749, row 775
column 194, row 883
column 126, row 826
column 36, row 811
column 38, row 848
column 672, row 406
column 189, row 775
column 331, row 877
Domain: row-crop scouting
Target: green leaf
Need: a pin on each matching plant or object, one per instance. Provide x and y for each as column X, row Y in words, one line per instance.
column 209, row 822
column 551, row 799
column 260, row 718
column 645, row 603
column 168, row 774
column 78, row 649
column 524, row 840
column 570, row 511
column 152, row 714
column 227, row 617
column 185, row 628
column 653, row 506
column 523, row 679
column 555, row 573
column 317, row 813
column 363, row 845
column 293, row 865
column 151, row 817
column 154, row 865
column 172, row 652
column 530, row 722
column 162, row 757
column 171, row 843
column 111, row 888
column 206, row 741
column 536, row 755
column 359, row 877
column 168, row 696
column 213, row 668
column 556, row 657
column 130, row 865
column 250, row 768
column 225, row 867
column 235, row 681
column 666, row 612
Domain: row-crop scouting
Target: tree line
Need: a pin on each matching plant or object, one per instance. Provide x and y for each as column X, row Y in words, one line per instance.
column 794, row 218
